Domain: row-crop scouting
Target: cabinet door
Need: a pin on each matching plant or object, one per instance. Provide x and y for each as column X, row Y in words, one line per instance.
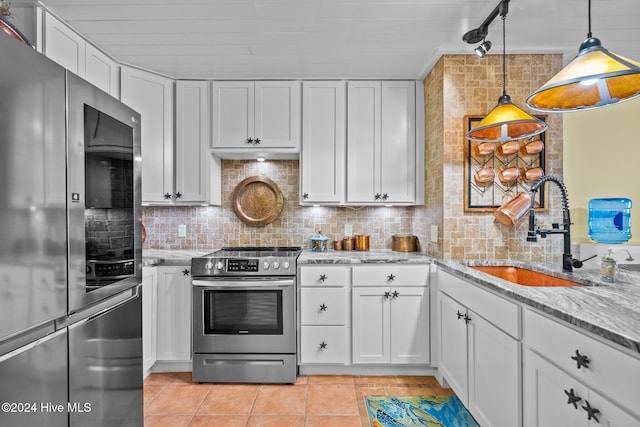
column 546, row 399
column 63, row 45
column 409, row 325
column 192, row 141
column 277, row 114
column 174, row 324
column 102, row 71
column 363, row 141
column 149, row 316
column 371, row 326
column 232, row 115
column 398, row 141
column 152, row 96
column 323, row 154
column 322, row 344
column 453, row 345
column 494, row 374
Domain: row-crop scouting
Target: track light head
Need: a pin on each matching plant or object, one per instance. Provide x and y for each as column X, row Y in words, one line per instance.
column 483, row 48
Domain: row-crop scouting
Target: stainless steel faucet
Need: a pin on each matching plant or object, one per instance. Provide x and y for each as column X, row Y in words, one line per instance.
column 568, row 262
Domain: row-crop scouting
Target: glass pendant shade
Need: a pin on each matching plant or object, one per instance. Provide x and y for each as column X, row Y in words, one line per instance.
column 506, row 122
column 595, row 78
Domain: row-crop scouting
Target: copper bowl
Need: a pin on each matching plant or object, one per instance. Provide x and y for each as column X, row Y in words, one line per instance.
column 404, row 243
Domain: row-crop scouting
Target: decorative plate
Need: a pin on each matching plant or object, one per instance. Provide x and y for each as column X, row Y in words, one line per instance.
column 257, row 201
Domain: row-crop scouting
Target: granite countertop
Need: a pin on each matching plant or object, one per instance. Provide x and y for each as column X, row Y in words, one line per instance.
column 151, row 257
column 609, row 310
column 362, row 257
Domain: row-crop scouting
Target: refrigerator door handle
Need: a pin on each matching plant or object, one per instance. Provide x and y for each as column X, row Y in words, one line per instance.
column 81, row 317
column 31, row 345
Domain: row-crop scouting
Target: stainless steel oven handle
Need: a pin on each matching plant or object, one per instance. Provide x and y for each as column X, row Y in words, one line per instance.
column 237, row 284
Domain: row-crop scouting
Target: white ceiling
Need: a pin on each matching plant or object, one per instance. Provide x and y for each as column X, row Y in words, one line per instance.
column 252, row 39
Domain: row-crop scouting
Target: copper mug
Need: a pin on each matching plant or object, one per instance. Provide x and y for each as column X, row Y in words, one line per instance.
column 509, row 175
column 533, row 147
column 484, row 148
column 512, row 212
column 531, row 175
column 484, row 176
column 509, row 147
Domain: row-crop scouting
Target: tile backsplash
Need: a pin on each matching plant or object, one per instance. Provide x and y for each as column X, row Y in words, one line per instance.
column 212, row 227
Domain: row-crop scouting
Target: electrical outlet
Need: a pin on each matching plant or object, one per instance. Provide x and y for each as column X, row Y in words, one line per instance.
column 348, row 230
column 182, row 230
column 434, row 234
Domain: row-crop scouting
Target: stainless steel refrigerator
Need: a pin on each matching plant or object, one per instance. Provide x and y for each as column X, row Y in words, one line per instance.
column 70, row 249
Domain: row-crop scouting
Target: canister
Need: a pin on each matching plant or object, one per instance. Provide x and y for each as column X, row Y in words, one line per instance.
column 347, row 243
column 362, row 242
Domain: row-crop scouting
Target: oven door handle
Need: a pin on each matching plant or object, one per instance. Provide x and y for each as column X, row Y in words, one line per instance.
column 237, row 284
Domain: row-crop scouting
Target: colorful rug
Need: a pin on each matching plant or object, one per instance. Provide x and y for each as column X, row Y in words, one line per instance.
column 418, row 411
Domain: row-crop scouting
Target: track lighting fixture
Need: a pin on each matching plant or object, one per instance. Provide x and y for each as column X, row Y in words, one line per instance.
column 506, row 121
column 483, row 48
column 595, row 78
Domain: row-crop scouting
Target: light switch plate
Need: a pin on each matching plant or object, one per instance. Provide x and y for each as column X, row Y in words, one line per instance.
column 348, row 229
column 434, row 234
column 182, row 230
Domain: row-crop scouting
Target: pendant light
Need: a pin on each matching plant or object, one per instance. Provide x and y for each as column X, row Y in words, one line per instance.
column 594, row 78
column 506, row 121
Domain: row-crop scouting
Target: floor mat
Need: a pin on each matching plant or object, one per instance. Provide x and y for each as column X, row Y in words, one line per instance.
column 418, row 411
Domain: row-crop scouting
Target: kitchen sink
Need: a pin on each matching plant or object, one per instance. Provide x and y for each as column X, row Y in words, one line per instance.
column 524, row 277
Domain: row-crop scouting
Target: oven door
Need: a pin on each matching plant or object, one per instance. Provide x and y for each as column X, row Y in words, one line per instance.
column 244, row 316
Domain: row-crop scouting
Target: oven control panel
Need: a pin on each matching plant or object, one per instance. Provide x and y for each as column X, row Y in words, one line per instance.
column 243, row 265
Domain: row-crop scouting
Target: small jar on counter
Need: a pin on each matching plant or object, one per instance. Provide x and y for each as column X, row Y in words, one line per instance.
column 608, row 268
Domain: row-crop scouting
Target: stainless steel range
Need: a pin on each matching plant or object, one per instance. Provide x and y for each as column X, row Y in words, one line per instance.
column 244, row 311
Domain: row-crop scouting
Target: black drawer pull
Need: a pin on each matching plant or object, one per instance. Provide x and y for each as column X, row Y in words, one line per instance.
column 323, row 307
column 591, row 412
column 323, row 345
column 581, row 359
column 573, row 399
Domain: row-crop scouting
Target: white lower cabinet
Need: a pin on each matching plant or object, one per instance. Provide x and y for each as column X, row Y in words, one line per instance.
column 174, row 314
column 390, row 319
column 149, row 316
column 323, row 314
column 480, row 361
column 563, row 366
column 554, row 398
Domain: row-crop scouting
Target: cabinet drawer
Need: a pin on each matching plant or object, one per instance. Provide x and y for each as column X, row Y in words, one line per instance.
column 610, row 371
column 319, row 306
column 390, row 275
column 323, row 276
column 322, row 344
column 498, row 311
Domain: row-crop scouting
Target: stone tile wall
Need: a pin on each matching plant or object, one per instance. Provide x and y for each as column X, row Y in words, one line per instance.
column 216, row 226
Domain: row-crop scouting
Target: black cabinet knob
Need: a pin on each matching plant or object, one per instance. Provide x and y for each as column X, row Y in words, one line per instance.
column 250, row 141
column 323, row 345
column 323, row 307
column 185, row 272
column 256, row 141
column 396, row 294
column 467, row 319
column 377, row 196
column 573, row 399
column 581, row 360
column 167, row 196
column 323, row 277
column 305, row 196
column 385, row 196
column 459, row 314
column 387, row 295
column 178, row 195
column 391, row 278
column 591, row 412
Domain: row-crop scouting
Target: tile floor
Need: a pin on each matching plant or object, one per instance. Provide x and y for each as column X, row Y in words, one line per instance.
column 172, row 400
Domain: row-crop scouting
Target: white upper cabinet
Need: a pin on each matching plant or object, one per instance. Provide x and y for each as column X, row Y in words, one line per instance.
column 254, row 117
column 197, row 173
column 381, row 142
column 152, row 96
column 69, row 49
column 322, row 171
